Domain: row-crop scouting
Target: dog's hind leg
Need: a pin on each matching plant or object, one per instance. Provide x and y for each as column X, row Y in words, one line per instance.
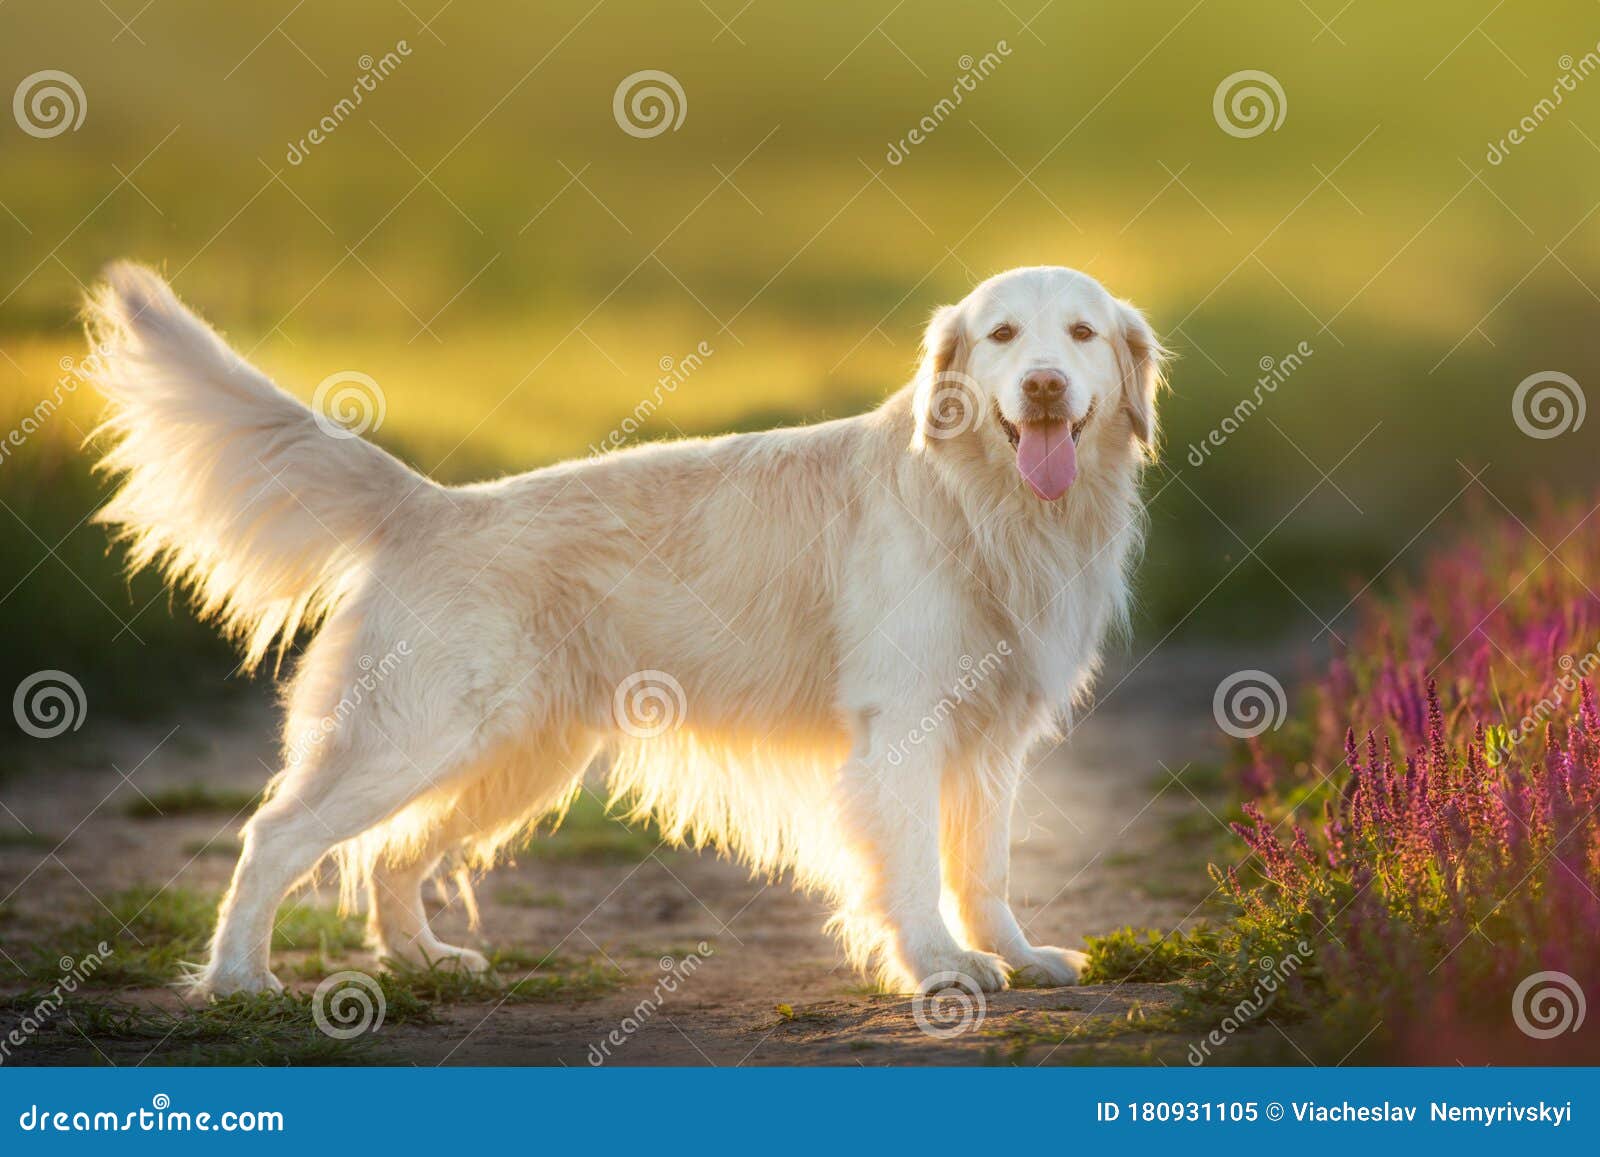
column 398, row 920
column 495, row 807
column 321, row 804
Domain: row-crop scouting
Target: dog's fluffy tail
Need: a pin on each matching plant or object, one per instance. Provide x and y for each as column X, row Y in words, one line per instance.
column 233, row 487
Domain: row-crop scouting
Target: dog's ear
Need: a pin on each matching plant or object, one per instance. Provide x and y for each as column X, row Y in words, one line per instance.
column 1141, row 359
column 946, row 401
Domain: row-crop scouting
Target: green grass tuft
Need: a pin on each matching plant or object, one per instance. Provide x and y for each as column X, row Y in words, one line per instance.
column 194, row 799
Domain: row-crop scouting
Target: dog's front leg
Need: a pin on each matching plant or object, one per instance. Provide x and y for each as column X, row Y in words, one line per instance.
column 977, row 867
column 890, row 810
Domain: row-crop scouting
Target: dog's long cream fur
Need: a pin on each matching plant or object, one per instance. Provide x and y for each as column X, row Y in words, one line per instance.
column 824, row 649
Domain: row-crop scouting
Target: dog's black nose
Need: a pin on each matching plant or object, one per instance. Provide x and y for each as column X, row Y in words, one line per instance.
column 1044, row 385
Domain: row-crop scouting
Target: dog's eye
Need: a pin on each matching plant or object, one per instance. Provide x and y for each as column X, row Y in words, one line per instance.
column 1003, row 332
column 1082, row 332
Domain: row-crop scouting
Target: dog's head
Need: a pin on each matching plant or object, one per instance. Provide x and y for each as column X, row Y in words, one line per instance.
column 1044, row 367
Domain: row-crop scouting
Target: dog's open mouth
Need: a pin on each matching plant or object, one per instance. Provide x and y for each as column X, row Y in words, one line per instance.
column 1013, row 435
column 1047, row 452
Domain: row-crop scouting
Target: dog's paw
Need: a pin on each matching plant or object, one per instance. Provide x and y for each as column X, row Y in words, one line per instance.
column 212, row 983
column 1048, row 967
column 460, row 959
column 445, row 957
column 973, row 971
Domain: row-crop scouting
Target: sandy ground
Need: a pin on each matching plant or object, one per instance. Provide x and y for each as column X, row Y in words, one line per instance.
column 1095, row 850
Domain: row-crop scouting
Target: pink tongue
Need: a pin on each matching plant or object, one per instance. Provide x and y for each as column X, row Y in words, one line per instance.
column 1047, row 458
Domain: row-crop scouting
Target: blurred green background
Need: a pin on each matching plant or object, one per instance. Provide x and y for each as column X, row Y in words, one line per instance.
column 483, row 239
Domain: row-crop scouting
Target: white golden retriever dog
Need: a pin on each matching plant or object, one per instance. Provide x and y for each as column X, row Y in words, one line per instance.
column 825, row 650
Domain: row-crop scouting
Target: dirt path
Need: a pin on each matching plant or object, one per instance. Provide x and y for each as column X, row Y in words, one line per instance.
column 1096, row 850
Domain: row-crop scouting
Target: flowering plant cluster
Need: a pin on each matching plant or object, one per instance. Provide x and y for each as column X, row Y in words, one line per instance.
column 1432, row 821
